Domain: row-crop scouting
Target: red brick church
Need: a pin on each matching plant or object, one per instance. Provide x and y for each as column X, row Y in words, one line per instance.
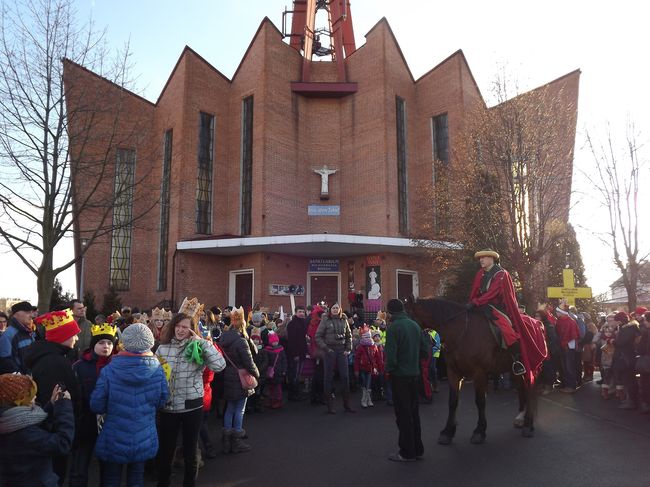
column 301, row 170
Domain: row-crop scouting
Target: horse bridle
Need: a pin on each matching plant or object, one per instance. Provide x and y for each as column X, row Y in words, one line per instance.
column 460, row 338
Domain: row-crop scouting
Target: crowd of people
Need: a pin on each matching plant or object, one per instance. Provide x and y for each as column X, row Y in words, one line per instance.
column 122, row 388
column 617, row 344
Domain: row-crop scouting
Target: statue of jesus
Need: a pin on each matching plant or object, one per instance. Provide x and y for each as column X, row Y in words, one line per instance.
column 324, row 181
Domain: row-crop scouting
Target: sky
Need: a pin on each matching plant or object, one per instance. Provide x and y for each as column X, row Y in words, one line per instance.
column 534, row 42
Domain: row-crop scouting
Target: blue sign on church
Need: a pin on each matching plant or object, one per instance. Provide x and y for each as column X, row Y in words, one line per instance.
column 323, row 210
column 323, row 265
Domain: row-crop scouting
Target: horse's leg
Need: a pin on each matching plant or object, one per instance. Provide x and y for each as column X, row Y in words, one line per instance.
column 528, row 431
column 521, row 393
column 480, row 388
column 447, row 434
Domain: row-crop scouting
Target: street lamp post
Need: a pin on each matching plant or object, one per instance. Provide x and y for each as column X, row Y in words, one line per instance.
column 84, row 244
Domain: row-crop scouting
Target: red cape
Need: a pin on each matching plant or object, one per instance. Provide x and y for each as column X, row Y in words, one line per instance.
column 531, row 332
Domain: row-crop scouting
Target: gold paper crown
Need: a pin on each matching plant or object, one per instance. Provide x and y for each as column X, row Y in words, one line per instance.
column 192, row 308
column 144, row 319
column 103, row 329
column 168, row 315
column 55, row 319
column 157, row 314
column 237, row 315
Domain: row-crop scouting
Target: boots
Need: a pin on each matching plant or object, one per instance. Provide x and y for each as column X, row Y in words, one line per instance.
column 369, row 402
column 226, row 441
column 330, row 404
column 517, row 367
column 238, row 443
column 346, row 402
column 364, row 397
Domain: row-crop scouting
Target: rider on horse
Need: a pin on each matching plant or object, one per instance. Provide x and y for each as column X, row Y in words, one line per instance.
column 494, row 293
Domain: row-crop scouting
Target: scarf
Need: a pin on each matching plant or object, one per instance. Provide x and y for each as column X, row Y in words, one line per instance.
column 487, row 277
column 272, row 349
column 366, row 339
column 20, row 417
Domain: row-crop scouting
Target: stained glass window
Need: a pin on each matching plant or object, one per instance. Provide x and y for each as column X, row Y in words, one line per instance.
column 440, row 138
column 247, row 165
column 164, row 212
column 120, row 267
column 204, row 179
column 401, row 164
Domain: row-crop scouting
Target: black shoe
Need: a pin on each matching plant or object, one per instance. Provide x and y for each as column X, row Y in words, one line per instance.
column 518, row 368
column 396, row 457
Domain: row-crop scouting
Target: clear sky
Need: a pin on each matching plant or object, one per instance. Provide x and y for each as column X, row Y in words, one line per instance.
column 537, row 42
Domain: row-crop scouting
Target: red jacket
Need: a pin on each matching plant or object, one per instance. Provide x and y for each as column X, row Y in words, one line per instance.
column 367, row 358
column 567, row 330
column 208, row 375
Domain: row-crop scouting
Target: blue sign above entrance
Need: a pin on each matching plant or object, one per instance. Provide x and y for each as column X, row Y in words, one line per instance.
column 323, row 210
column 323, row 265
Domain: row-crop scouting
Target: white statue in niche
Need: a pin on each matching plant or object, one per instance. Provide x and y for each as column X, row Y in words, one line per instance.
column 324, row 173
column 375, row 289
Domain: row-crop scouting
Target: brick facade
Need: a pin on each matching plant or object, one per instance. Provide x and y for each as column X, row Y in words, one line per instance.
column 292, row 136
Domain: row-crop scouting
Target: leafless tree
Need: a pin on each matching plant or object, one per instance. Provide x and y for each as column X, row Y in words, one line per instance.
column 616, row 182
column 513, row 163
column 37, row 188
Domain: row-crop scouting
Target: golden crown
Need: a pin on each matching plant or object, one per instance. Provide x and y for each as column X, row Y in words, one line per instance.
column 55, row 319
column 157, row 314
column 103, row 329
column 192, row 308
column 168, row 315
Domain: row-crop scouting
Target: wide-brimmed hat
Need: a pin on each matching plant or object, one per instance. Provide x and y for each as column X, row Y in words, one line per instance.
column 486, row 253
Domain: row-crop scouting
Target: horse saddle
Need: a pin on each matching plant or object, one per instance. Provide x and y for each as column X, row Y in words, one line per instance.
column 492, row 314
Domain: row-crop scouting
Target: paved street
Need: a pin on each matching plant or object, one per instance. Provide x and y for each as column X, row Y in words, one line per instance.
column 581, row 440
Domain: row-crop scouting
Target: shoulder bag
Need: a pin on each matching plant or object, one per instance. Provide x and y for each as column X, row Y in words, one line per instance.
column 248, row 381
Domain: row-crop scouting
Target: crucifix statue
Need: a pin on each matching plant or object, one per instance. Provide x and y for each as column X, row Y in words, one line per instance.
column 324, row 181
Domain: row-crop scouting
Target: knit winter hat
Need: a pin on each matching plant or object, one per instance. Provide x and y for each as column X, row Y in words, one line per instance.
column 137, row 338
column 621, row 317
column 273, row 338
column 59, row 325
column 395, row 306
column 105, row 331
column 16, row 390
column 257, row 318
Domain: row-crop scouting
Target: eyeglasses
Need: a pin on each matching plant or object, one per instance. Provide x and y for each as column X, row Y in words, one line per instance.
column 3, row 322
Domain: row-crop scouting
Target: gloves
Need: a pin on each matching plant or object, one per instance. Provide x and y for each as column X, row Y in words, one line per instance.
column 470, row 306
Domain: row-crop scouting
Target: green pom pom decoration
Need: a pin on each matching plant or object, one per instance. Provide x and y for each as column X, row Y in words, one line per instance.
column 194, row 352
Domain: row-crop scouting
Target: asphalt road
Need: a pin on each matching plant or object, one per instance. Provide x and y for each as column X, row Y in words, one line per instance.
column 581, row 440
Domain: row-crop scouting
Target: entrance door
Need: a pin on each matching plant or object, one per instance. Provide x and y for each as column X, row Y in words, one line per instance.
column 407, row 284
column 241, row 289
column 324, row 287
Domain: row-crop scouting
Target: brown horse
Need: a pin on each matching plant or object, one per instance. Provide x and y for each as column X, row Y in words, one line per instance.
column 472, row 353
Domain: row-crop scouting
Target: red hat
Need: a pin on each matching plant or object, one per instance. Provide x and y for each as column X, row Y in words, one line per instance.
column 273, row 338
column 641, row 310
column 59, row 325
column 621, row 317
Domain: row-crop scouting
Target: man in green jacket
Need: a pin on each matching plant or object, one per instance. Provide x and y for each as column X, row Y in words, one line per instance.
column 404, row 346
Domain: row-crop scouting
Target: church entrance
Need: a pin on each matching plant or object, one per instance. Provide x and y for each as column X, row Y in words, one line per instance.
column 407, row 284
column 324, row 286
column 241, row 289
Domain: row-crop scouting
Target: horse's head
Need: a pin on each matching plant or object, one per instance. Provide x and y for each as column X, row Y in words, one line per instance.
column 409, row 304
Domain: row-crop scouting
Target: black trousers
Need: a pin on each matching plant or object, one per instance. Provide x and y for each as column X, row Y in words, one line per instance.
column 407, row 415
column 190, row 423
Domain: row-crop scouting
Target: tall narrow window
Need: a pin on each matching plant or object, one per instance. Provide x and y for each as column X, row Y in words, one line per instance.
column 247, row 165
column 401, row 164
column 164, row 212
column 120, row 266
column 204, row 178
column 440, row 138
